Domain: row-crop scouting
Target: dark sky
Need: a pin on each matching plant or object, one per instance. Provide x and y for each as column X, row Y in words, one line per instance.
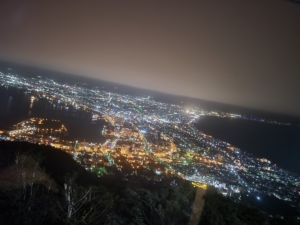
column 244, row 53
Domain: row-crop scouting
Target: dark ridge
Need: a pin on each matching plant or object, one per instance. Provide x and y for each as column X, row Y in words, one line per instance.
column 122, row 199
column 57, row 163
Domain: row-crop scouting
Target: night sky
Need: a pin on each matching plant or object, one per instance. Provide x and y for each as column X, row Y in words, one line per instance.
column 244, row 53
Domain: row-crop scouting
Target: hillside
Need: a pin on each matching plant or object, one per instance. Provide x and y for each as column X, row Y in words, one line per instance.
column 43, row 185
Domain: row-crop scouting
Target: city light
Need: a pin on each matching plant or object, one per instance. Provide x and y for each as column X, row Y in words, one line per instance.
column 143, row 134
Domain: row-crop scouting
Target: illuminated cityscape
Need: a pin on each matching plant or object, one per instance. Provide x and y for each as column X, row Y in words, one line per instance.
column 145, row 135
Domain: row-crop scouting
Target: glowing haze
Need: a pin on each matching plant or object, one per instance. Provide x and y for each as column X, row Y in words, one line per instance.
column 244, row 53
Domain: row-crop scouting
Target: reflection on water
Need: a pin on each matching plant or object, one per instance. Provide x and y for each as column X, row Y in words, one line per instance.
column 31, row 104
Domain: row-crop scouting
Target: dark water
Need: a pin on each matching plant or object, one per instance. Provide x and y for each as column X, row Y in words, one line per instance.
column 16, row 106
column 280, row 144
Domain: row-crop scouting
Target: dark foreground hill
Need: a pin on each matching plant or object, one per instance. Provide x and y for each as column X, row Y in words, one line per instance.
column 43, row 185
